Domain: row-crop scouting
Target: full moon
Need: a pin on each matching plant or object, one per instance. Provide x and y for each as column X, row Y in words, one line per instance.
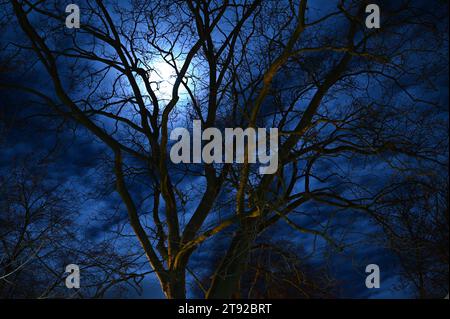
column 164, row 75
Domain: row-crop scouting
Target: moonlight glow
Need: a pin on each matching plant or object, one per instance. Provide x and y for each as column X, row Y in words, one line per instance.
column 163, row 78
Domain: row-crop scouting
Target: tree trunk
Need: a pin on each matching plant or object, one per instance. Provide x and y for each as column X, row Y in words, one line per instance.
column 175, row 287
column 225, row 282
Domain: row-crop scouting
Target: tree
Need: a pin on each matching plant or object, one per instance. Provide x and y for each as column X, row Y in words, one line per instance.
column 39, row 237
column 275, row 270
column 418, row 220
column 339, row 93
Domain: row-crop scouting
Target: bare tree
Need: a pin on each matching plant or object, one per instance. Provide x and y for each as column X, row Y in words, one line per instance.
column 40, row 236
column 340, row 93
column 276, row 270
column 418, row 218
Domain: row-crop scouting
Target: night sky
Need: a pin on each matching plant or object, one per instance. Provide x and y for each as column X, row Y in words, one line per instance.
column 32, row 135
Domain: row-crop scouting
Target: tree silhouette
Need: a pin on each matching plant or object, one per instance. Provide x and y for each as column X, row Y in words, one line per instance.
column 346, row 100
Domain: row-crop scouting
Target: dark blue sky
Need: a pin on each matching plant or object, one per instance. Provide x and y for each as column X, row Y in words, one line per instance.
column 77, row 160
